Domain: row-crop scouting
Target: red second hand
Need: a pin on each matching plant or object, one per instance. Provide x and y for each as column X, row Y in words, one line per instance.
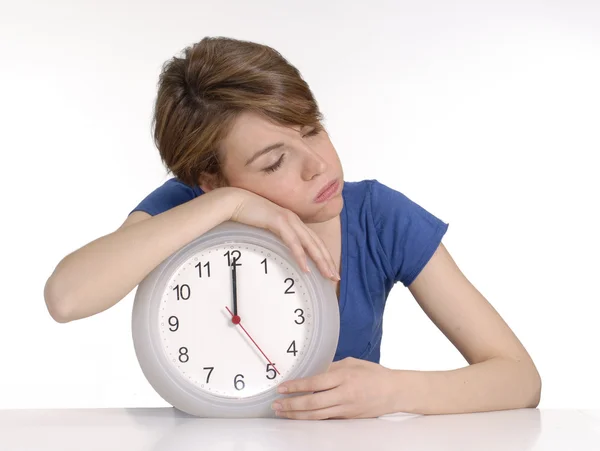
column 258, row 347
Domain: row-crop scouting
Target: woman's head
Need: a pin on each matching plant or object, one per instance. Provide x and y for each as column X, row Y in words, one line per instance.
column 225, row 100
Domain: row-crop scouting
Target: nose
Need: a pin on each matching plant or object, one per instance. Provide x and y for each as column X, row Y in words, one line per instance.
column 313, row 164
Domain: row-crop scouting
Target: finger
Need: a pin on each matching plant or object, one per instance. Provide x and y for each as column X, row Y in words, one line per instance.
column 346, row 362
column 316, row 252
column 316, row 401
column 335, row 365
column 320, row 382
column 321, row 244
column 291, row 239
column 312, row 248
column 334, row 412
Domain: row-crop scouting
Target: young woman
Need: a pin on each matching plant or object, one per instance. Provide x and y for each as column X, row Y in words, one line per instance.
column 241, row 132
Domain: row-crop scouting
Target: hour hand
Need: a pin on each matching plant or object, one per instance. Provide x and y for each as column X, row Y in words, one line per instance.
column 235, row 319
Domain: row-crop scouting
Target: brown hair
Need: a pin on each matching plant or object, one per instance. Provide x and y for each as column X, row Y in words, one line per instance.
column 202, row 92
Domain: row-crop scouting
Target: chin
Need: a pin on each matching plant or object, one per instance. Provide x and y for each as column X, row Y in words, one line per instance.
column 326, row 211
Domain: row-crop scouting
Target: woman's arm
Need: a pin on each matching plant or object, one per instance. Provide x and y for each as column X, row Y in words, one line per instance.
column 101, row 273
column 501, row 374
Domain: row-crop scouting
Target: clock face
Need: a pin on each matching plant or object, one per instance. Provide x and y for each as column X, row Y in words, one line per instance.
column 204, row 341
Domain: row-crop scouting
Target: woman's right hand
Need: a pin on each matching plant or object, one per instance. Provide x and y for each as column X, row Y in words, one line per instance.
column 255, row 210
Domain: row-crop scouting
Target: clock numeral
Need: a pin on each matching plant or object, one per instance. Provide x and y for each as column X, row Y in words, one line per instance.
column 239, row 383
column 176, row 325
column 183, row 353
column 210, row 368
column 265, row 262
column 287, row 291
column 292, row 348
column 271, row 369
column 206, row 265
column 183, row 292
column 300, row 315
column 235, row 259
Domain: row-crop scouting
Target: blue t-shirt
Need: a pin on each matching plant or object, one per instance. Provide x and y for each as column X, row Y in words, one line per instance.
column 386, row 238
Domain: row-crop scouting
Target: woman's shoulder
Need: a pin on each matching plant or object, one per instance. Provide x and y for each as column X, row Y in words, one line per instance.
column 176, row 181
column 364, row 186
column 171, row 193
column 369, row 192
column 407, row 232
column 380, row 198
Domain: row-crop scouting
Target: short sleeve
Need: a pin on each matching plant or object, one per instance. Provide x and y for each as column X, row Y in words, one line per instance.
column 169, row 195
column 408, row 233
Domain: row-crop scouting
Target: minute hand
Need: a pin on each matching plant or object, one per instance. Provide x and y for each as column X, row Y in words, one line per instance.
column 234, row 287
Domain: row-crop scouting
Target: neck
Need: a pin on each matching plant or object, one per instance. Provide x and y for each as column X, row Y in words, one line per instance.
column 325, row 227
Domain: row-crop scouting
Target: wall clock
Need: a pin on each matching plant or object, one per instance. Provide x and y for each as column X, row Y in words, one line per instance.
column 218, row 325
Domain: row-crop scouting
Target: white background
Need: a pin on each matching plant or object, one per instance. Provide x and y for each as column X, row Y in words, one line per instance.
column 486, row 113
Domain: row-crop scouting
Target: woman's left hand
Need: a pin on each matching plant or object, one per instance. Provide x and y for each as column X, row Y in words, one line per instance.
column 351, row 388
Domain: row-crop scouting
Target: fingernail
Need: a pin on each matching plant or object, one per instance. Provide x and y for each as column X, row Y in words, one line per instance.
column 282, row 389
column 276, row 406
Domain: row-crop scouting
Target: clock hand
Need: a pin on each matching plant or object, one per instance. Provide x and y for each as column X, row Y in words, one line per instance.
column 236, row 318
column 258, row 347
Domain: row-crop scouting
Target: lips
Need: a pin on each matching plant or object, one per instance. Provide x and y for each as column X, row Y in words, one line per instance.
column 325, row 190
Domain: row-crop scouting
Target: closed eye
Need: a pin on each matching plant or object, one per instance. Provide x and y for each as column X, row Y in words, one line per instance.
column 275, row 166
column 315, row 131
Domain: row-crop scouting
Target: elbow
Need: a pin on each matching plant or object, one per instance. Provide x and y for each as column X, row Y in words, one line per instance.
column 537, row 392
column 527, row 384
column 534, row 400
column 536, row 388
column 55, row 303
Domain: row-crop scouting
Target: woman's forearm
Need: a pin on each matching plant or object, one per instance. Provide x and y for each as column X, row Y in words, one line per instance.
column 495, row 384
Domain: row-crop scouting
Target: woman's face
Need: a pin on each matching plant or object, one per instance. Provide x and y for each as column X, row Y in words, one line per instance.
column 291, row 174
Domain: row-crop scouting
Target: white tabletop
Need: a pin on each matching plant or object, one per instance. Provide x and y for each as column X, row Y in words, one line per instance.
column 162, row 429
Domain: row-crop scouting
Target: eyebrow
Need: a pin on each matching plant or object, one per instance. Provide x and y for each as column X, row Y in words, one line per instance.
column 263, row 151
